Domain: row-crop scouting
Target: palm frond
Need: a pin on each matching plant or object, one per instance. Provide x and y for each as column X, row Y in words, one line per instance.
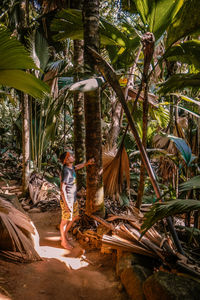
column 19, row 229
column 187, row 52
column 13, row 54
column 39, row 50
column 179, row 82
column 115, row 171
column 24, row 82
column 127, row 236
column 191, row 184
column 163, row 210
column 184, row 149
column 14, row 59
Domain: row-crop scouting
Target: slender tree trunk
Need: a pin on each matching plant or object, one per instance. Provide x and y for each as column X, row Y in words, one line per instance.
column 95, row 193
column 79, row 126
column 144, row 142
column 78, row 112
column 115, row 126
column 25, row 142
column 148, row 49
column 25, row 111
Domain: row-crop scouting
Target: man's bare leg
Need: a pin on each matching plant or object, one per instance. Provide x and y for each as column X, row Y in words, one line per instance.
column 69, row 225
column 64, row 242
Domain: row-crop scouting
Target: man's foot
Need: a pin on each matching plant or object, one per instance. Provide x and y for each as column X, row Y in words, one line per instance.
column 66, row 245
column 69, row 238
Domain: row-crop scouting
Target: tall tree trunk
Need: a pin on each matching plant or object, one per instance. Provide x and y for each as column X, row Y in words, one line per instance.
column 25, row 108
column 144, row 142
column 79, row 126
column 115, row 126
column 78, row 113
column 148, row 41
column 95, row 193
column 25, row 141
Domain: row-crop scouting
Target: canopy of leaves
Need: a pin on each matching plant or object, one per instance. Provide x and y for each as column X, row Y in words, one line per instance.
column 157, row 14
column 187, row 21
column 68, row 24
column 180, row 81
column 187, row 52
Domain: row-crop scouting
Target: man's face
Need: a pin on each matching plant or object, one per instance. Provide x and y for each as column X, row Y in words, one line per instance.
column 71, row 158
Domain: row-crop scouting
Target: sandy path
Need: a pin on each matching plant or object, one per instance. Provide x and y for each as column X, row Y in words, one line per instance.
column 60, row 275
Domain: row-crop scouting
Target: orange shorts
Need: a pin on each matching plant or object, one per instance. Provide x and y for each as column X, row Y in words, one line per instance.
column 66, row 215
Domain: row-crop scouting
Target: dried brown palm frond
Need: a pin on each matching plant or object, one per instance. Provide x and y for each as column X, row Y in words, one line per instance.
column 16, row 231
column 164, row 142
column 127, row 236
column 167, row 168
column 115, row 171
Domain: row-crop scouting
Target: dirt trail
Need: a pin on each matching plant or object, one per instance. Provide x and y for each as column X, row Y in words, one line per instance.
column 61, row 274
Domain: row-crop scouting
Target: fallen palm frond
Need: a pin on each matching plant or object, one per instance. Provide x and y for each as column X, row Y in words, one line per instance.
column 115, row 171
column 160, row 211
column 127, row 236
column 16, row 228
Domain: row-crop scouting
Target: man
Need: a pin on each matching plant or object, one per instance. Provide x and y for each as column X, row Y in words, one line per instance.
column 68, row 202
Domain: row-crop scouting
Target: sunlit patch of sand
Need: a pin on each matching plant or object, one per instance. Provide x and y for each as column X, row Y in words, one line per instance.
column 74, row 263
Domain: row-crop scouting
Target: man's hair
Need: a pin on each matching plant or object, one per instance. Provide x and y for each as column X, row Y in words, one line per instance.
column 63, row 155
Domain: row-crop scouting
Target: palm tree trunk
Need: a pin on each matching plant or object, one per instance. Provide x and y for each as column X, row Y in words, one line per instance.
column 25, row 142
column 94, row 183
column 78, row 113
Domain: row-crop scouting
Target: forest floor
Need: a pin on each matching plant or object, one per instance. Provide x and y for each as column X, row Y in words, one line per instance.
column 61, row 274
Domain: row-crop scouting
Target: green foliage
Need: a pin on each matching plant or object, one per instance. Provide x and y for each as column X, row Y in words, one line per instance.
column 191, row 184
column 187, row 52
column 12, row 53
column 180, row 81
column 23, row 81
column 184, row 149
column 40, row 50
column 13, row 59
column 129, row 6
column 187, row 21
column 163, row 210
column 68, row 24
column 157, row 14
column 120, row 44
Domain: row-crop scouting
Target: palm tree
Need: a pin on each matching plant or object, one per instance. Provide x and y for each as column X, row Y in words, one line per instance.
column 78, row 111
column 95, row 195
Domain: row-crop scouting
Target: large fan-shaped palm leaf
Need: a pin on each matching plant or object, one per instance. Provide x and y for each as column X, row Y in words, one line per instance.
column 115, row 171
column 14, row 59
column 157, row 14
column 186, row 21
